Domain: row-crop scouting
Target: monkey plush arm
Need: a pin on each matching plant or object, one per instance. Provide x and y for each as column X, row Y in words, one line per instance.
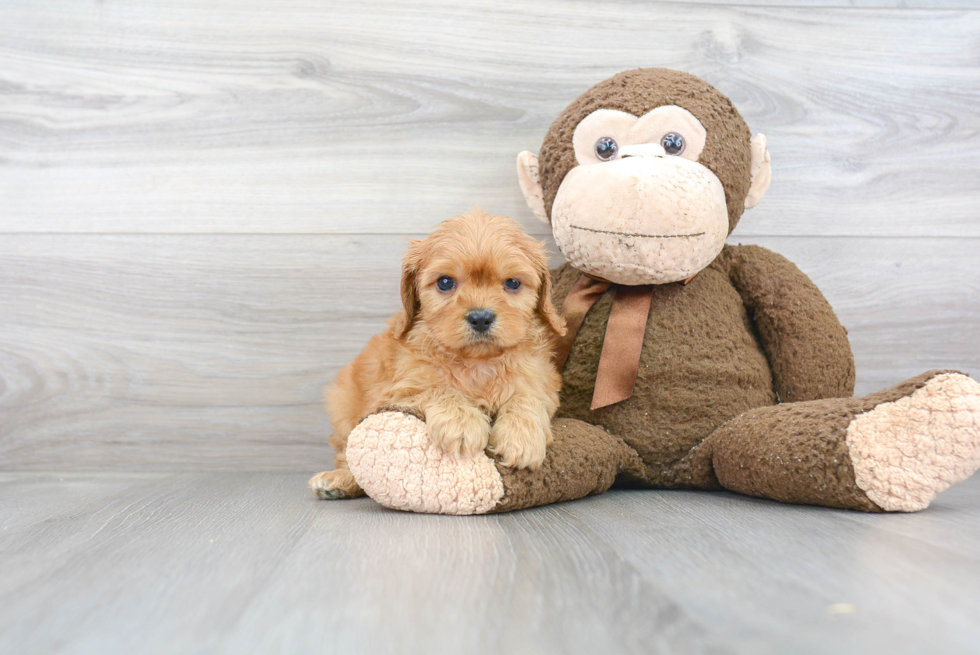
column 804, row 341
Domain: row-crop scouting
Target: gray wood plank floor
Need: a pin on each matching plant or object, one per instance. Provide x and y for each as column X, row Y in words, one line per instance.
column 250, row 563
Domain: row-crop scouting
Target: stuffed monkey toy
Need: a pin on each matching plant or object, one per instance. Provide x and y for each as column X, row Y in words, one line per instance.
column 688, row 364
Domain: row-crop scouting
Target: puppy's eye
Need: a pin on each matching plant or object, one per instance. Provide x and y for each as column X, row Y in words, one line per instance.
column 445, row 283
column 512, row 284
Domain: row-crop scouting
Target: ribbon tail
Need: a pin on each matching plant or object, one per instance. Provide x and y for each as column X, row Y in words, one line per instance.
column 622, row 345
column 577, row 304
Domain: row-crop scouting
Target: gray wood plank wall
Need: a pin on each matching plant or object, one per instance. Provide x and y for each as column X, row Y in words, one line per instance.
column 203, row 204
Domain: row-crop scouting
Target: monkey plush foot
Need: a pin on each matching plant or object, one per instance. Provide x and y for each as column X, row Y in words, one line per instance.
column 908, row 451
column 391, row 458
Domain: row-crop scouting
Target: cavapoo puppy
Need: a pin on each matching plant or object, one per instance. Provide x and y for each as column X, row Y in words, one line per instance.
column 471, row 349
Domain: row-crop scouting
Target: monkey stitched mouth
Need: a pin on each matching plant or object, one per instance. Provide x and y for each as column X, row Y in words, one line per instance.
column 645, row 236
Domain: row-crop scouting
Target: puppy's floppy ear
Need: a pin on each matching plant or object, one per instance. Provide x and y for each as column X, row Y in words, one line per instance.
column 409, row 289
column 546, row 308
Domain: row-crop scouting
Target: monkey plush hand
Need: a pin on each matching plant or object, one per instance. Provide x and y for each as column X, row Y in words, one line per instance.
column 688, row 363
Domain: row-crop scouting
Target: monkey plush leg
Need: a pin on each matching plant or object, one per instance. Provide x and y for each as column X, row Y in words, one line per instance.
column 891, row 451
column 392, row 460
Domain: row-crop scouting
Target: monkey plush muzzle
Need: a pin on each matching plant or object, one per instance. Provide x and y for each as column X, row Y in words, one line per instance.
column 644, row 218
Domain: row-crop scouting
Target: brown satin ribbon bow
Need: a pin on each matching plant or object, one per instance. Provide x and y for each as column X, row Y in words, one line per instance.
column 622, row 344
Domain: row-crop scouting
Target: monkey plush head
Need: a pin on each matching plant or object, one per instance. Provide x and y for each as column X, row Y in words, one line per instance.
column 644, row 176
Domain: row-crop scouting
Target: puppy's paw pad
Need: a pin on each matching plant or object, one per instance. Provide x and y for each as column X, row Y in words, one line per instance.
column 331, row 494
column 334, row 485
column 907, row 452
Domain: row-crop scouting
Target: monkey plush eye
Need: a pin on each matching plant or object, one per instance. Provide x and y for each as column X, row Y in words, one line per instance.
column 445, row 283
column 673, row 143
column 512, row 284
column 606, row 148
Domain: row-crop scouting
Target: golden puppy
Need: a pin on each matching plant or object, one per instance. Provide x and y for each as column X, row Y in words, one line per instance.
column 470, row 350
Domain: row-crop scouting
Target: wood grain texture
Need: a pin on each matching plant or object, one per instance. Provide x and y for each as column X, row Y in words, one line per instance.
column 203, row 205
column 203, row 208
column 327, row 117
column 251, row 563
column 25, row 500
column 211, row 352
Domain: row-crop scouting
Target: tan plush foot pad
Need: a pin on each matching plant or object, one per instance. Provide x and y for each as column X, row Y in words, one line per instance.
column 907, row 451
column 392, row 460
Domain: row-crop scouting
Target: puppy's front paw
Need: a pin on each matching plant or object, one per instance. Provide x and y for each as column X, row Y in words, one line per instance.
column 519, row 442
column 458, row 429
column 335, row 485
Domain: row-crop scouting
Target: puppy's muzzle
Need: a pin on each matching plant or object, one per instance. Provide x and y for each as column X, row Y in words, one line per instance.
column 480, row 320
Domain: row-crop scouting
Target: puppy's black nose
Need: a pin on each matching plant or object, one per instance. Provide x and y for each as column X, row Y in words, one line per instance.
column 480, row 319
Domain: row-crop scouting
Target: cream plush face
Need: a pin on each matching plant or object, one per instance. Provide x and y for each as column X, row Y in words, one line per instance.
column 631, row 213
column 634, row 203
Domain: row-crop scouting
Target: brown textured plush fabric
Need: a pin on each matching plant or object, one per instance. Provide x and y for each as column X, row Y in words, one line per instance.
column 700, row 366
column 745, row 374
column 411, row 411
column 748, row 325
column 795, row 453
column 806, row 345
column 582, row 460
column 727, row 152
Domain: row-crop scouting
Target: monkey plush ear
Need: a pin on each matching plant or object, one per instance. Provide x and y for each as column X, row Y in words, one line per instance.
column 761, row 171
column 527, row 176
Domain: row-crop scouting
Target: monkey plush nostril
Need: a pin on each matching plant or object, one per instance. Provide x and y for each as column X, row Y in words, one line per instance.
column 642, row 150
column 480, row 319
